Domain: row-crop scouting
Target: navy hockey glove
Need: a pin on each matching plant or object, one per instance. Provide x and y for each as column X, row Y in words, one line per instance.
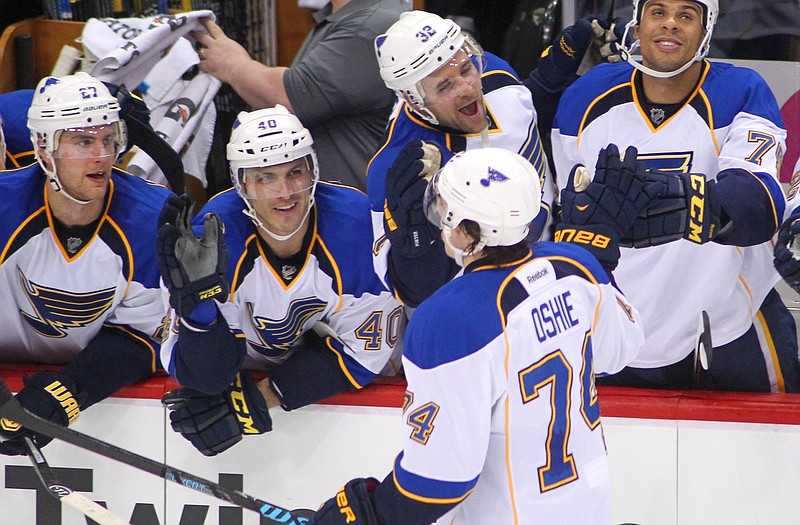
column 352, row 505
column 575, row 50
column 48, row 395
column 688, row 209
column 597, row 214
column 787, row 252
column 214, row 423
column 404, row 221
column 193, row 269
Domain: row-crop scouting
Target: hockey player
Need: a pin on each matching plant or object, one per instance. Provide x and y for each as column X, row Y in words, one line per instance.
column 452, row 97
column 14, row 118
column 717, row 129
column 78, row 275
column 298, row 259
column 502, row 413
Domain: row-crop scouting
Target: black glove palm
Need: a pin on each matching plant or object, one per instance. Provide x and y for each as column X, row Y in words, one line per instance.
column 48, row 395
column 214, row 423
column 193, row 269
column 404, row 221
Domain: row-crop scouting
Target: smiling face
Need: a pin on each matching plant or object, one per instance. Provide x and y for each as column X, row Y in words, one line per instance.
column 280, row 195
column 84, row 158
column 670, row 33
column 453, row 93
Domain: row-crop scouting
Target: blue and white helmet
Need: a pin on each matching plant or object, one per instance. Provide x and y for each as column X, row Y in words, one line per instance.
column 496, row 188
column 710, row 14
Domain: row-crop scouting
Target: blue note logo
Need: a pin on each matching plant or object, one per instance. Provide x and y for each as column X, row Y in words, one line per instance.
column 493, row 176
column 278, row 335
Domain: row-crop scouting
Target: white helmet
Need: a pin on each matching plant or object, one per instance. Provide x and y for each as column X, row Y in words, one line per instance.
column 415, row 46
column 494, row 187
column 268, row 137
column 72, row 102
column 710, row 13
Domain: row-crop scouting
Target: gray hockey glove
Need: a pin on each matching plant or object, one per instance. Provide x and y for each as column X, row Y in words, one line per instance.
column 687, row 210
column 214, row 423
column 48, row 395
column 404, row 221
column 352, row 505
column 597, row 214
column 787, row 252
column 193, row 269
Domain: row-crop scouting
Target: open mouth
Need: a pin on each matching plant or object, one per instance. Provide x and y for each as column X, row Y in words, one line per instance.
column 98, row 176
column 470, row 110
column 668, row 45
column 286, row 208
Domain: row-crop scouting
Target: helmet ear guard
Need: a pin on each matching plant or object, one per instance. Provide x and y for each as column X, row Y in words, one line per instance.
column 496, row 188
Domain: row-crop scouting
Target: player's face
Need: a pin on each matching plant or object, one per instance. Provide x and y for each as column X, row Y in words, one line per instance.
column 670, row 33
column 280, row 194
column 84, row 159
column 453, row 93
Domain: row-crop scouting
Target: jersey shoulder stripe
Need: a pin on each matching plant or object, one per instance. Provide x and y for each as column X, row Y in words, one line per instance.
column 456, row 321
column 733, row 90
column 605, row 86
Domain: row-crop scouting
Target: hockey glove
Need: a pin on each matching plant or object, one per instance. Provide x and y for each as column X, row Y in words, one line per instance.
column 214, row 423
column 687, row 210
column 596, row 214
column 404, row 221
column 570, row 54
column 48, row 395
column 193, row 269
column 787, row 252
column 352, row 505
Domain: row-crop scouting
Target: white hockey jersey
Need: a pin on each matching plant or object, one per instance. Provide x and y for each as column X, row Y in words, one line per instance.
column 501, row 404
column 512, row 126
column 731, row 120
column 273, row 302
column 55, row 302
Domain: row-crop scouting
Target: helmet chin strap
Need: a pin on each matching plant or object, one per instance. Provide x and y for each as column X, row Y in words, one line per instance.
column 458, row 253
column 626, row 54
column 55, row 183
column 250, row 212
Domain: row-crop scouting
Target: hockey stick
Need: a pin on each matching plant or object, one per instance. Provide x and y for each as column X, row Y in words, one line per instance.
column 61, row 492
column 702, row 349
column 11, row 409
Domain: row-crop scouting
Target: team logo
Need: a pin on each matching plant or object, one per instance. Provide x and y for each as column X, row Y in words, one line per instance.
column 657, row 115
column 56, row 311
column 278, row 335
column 493, row 176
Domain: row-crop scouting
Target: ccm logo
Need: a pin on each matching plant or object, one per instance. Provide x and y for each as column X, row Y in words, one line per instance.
column 697, row 208
column 211, row 292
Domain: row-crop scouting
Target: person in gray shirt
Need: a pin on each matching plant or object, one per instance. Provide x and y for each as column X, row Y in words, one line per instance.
column 333, row 84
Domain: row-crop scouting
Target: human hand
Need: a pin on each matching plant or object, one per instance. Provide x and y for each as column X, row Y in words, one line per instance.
column 220, row 56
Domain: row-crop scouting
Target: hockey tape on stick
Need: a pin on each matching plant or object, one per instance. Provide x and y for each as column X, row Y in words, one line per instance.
column 11, row 409
column 58, row 490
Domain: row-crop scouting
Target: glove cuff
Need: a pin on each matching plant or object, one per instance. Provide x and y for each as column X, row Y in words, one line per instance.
column 600, row 240
column 249, row 405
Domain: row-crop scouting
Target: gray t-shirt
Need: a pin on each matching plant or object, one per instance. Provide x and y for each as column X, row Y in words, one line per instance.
column 336, row 90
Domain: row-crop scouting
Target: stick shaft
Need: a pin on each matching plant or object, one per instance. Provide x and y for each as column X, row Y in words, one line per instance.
column 11, row 409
